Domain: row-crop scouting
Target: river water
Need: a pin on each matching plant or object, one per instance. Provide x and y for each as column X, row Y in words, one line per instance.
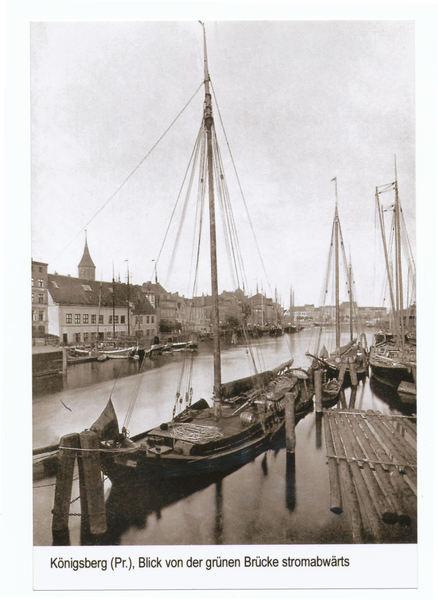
column 260, row 503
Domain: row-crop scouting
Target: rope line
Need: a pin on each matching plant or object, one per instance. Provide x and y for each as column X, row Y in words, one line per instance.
column 131, row 174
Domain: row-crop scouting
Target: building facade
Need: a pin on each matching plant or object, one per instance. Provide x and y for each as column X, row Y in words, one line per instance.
column 40, row 315
column 84, row 311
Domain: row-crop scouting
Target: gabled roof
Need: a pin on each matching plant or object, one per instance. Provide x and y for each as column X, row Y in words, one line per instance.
column 153, row 288
column 72, row 291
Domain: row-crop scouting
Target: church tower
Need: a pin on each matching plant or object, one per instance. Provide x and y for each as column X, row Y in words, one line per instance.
column 86, row 268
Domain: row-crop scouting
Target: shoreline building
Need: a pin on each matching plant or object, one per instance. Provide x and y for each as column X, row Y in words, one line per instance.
column 40, row 315
column 82, row 310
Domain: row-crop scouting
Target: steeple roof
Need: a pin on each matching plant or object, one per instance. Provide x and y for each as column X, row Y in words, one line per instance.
column 86, row 260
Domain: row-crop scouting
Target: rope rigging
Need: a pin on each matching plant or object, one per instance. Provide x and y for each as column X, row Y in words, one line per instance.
column 198, row 161
column 129, row 176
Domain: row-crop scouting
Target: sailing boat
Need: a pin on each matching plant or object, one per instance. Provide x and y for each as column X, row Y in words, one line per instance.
column 394, row 362
column 347, row 364
column 246, row 414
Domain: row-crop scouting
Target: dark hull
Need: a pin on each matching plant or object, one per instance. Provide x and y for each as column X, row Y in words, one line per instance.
column 391, row 376
column 142, row 468
column 179, row 449
column 392, row 366
column 123, row 466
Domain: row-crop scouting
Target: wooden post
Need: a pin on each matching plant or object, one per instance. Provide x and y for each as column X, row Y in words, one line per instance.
column 318, row 390
column 342, row 370
column 342, row 400
column 86, row 538
column 64, row 360
column 335, row 487
column 353, row 374
column 290, row 423
column 290, row 450
column 93, row 482
column 353, row 395
column 318, row 429
column 64, row 483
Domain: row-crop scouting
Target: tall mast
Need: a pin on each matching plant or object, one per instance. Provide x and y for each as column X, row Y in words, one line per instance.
column 208, row 125
column 114, row 307
column 350, row 291
column 385, row 250
column 129, row 307
column 398, row 266
column 338, row 326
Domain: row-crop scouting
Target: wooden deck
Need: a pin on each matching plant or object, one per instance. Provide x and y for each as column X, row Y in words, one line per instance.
column 372, row 461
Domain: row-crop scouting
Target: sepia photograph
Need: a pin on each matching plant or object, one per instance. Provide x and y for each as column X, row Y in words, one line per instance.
column 223, row 221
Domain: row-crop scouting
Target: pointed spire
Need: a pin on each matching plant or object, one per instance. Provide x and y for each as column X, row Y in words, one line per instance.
column 86, row 267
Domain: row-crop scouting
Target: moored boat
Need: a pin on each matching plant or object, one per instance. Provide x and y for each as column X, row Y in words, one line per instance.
column 245, row 415
column 347, row 364
column 393, row 361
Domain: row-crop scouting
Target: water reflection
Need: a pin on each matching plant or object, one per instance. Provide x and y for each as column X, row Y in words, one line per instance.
column 273, row 499
column 130, row 506
column 291, row 496
column 404, row 404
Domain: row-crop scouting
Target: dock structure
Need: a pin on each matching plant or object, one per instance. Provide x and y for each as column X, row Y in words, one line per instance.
column 372, row 460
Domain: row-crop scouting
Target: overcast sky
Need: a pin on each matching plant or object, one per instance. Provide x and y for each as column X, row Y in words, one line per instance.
column 301, row 102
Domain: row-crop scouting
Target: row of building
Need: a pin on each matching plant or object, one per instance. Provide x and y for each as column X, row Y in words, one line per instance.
column 81, row 310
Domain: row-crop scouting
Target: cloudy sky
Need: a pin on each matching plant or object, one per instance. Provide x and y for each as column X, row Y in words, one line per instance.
column 301, row 102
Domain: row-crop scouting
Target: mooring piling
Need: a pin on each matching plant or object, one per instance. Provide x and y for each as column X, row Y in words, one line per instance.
column 93, row 482
column 64, row 483
column 290, row 423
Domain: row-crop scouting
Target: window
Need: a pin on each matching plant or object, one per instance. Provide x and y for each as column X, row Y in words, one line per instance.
column 122, row 319
column 78, row 319
column 110, row 319
column 33, row 296
column 86, row 287
column 101, row 319
column 93, row 335
column 147, row 319
column 85, row 319
column 34, row 315
column 41, row 315
column 152, row 319
column 40, row 269
column 41, row 298
column 32, row 281
column 141, row 320
column 86, row 337
column 41, row 283
column 116, row 319
column 93, row 319
column 78, row 337
column 69, row 318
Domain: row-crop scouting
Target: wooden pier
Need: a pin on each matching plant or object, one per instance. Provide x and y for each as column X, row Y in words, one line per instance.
column 372, row 460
